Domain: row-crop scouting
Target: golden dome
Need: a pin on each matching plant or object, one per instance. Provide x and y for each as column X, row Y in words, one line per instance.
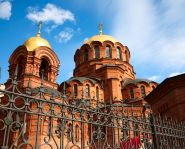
column 34, row 42
column 101, row 38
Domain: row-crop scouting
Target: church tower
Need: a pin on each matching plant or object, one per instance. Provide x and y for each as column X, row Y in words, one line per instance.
column 103, row 71
column 104, row 57
column 35, row 61
column 35, row 65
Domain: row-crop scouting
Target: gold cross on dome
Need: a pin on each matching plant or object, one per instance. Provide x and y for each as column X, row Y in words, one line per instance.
column 100, row 28
column 39, row 28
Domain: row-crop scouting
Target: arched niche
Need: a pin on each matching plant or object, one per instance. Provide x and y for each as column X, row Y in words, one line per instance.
column 44, row 70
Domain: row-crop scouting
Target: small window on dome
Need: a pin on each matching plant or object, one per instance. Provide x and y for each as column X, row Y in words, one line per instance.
column 126, row 56
column 143, row 94
column 108, row 52
column 118, row 52
column 96, row 52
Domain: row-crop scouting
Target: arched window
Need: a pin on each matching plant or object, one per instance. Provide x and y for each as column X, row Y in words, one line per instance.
column 143, row 94
column 118, row 52
column 20, row 66
column 97, row 93
column 126, row 56
column 131, row 93
column 86, row 55
column 108, row 52
column 87, row 90
column 77, row 133
column 75, row 90
column 43, row 71
column 20, row 69
column 96, row 52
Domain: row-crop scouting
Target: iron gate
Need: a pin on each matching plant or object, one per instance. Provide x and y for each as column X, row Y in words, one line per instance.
column 45, row 118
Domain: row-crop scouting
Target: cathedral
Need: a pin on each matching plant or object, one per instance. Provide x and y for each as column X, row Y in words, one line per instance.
column 102, row 73
column 102, row 69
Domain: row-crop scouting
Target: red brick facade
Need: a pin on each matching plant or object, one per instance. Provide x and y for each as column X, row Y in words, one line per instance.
column 168, row 99
column 102, row 72
column 31, row 63
column 108, row 64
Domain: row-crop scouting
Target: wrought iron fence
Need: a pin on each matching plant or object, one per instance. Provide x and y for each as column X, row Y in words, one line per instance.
column 44, row 118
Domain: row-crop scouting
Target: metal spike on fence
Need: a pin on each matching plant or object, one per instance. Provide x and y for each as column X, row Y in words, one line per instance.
column 182, row 126
column 110, row 101
column 28, row 84
column 64, row 89
column 97, row 104
column 122, row 108
column 105, row 108
column 52, row 94
column 90, row 103
column 160, row 120
column 132, row 110
column 82, row 93
column 117, row 110
column 171, row 122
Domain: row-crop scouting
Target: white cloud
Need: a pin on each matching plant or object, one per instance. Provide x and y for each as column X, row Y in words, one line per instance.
column 48, row 29
column 5, row 10
column 134, row 24
column 175, row 74
column 171, row 53
column 173, row 10
column 65, row 35
column 50, row 13
column 154, row 32
column 154, row 78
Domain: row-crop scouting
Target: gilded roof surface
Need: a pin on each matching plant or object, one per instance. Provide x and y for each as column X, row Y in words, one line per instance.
column 34, row 42
column 101, row 38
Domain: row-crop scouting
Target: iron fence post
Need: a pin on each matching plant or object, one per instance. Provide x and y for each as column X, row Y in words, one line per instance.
column 152, row 125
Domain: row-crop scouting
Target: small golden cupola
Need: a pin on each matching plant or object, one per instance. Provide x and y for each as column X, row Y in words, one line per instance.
column 35, row 61
column 101, row 38
column 34, row 42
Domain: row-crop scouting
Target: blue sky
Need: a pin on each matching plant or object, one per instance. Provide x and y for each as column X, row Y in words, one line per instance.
column 154, row 31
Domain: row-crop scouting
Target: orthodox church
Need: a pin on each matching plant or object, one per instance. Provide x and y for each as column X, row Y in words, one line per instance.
column 102, row 73
column 102, row 70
